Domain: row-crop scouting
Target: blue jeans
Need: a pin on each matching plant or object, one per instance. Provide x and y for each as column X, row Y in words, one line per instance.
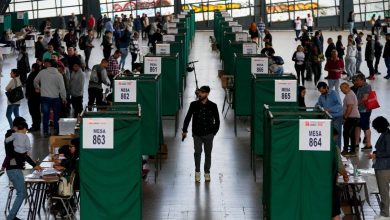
column 124, row 54
column 334, row 84
column 337, row 123
column 17, row 179
column 351, row 26
column 47, row 104
column 12, row 108
column 387, row 62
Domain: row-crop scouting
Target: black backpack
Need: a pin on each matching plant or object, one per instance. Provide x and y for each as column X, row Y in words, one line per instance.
column 82, row 43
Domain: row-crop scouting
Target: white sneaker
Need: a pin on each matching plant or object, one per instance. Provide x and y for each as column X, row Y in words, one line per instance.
column 207, row 177
column 197, row 177
column 379, row 217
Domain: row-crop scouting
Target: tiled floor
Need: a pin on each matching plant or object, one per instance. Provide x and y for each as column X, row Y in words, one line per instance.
column 232, row 193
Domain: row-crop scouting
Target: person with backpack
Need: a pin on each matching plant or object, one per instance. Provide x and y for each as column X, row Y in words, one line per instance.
column 97, row 78
column 14, row 143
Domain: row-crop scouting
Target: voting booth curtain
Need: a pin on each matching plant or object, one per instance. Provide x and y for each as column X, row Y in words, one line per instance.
column 6, row 23
column 232, row 48
column 263, row 92
column 149, row 97
column 294, row 179
column 243, row 84
column 110, row 179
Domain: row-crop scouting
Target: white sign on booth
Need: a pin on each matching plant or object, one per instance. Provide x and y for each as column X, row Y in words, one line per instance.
column 175, row 20
column 259, row 65
column 249, row 48
column 228, row 18
column 98, row 133
column 163, row 49
column 20, row 15
column 237, row 29
column 285, row 90
column 152, row 65
column 171, row 25
column 168, row 38
column 125, row 91
column 181, row 16
column 314, row 134
column 240, row 37
column 1, row 19
column 233, row 23
column 173, row 31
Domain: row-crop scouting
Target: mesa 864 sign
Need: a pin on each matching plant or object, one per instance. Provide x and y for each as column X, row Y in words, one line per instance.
column 314, row 134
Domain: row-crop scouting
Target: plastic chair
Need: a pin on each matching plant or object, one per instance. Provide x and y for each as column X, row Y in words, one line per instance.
column 66, row 200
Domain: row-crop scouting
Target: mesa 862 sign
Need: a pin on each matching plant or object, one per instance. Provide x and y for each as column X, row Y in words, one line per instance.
column 152, row 65
column 314, row 134
column 98, row 133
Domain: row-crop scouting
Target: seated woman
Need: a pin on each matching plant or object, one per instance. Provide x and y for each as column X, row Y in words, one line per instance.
column 70, row 164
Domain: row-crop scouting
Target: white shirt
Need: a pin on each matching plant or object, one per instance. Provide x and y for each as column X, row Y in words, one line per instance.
column 309, row 21
column 351, row 51
column 298, row 24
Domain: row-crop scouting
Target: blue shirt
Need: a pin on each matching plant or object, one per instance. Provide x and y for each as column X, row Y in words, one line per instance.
column 331, row 101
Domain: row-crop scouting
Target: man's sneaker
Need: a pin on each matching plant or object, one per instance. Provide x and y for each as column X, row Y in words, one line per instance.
column 367, row 148
column 197, row 177
column 1, row 172
column 350, row 154
column 387, row 77
column 344, row 152
column 207, row 177
column 371, row 77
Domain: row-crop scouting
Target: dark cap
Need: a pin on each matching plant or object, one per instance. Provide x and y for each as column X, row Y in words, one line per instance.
column 205, row 89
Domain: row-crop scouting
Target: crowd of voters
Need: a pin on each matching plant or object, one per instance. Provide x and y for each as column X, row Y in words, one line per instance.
column 54, row 83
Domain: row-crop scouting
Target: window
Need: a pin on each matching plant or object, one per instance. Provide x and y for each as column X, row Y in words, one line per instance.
column 137, row 7
column 364, row 9
column 204, row 9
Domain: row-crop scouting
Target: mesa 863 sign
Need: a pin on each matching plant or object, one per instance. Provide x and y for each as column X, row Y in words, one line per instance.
column 314, row 134
column 98, row 133
column 152, row 65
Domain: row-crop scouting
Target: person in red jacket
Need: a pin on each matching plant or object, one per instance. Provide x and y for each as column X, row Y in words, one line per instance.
column 91, row 22
column 335, row 66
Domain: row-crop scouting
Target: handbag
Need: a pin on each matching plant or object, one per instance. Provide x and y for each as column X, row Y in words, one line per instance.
column 372, row 101
column 16, row 94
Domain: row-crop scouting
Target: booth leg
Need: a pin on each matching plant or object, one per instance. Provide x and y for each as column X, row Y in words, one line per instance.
column 176, row 122
column 235, row 124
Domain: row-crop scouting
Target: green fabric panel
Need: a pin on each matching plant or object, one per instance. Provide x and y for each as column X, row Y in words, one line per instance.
column 242, row 84
column 263, row 93
column 149, row 97
column 170, row 85
column 178, row 48
column 305, row 176
column 228, row 64
column 285, row 166
column 180, row 38
column 110, row 180
column 7, row 23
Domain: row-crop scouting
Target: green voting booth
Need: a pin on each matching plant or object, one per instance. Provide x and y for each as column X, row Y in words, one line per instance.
column 19, row 19
column 168, row 67
column 5, row 22
column 270, row 90
column 299, row 158
column 110, row 164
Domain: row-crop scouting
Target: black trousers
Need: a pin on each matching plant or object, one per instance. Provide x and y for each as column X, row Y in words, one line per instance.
column 34, row 107
column 349, row 133
column 377, row 60
column 77, row 104
column 300, row 69
column 370, row 65
column 87, row 53
column 107, row 52
column 133, row 59
column 95, row 95
column 316, row 68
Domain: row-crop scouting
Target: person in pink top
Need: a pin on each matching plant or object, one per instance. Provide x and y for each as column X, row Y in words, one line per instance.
column 91, row 22
column 335, row 67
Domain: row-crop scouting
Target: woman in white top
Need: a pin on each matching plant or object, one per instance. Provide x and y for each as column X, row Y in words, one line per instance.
column 13, row 107
column 298, row 27
column 350, row 59
column 299, row 59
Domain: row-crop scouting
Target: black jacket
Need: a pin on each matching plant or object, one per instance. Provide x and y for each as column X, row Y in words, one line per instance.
column 328, row 52
column 386, row 52
column 19, row 158
column 31, row 94
column 205, row 118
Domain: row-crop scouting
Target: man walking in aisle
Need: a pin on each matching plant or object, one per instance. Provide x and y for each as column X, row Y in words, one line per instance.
column 205, row 125
column 386, row 55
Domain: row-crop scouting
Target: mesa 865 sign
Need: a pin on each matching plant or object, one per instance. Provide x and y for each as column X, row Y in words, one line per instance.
column 314, row 134
column 98, row 133
column 152, row 65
